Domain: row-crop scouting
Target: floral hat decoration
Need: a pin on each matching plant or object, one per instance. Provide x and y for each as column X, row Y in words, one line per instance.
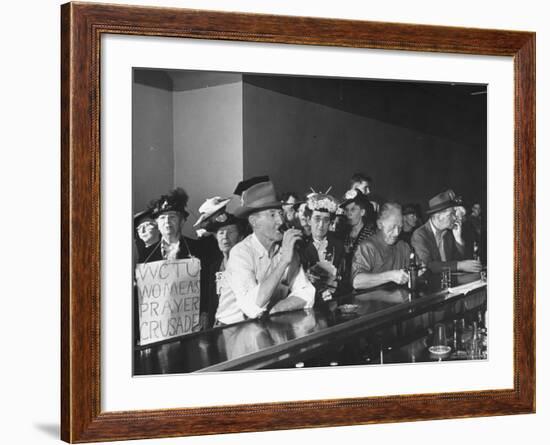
column 322, row 202
column 354, row 195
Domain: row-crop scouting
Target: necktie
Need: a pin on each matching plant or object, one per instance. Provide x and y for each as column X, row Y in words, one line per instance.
column 440, row 245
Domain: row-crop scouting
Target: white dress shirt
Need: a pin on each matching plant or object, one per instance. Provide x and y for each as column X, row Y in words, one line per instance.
column 248, row 266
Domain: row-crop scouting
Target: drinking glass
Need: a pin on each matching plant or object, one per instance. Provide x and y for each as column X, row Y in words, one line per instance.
column 440, row 346
column 446, row 278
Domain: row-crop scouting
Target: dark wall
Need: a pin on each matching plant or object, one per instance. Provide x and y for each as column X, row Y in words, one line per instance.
column 415, row 140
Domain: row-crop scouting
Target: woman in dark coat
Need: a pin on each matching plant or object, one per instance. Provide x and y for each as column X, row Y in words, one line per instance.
column 227, row 231
column 146, row 235
column 170, row 215
column 360, row 214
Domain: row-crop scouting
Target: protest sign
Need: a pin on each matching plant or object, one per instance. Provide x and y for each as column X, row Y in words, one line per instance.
column 168, row 299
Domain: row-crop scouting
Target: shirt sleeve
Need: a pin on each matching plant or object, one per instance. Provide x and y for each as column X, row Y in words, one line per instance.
column 303, row 289
column 362, row 261
column 242, row 281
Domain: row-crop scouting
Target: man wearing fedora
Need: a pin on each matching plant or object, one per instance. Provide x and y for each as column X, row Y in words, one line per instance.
column 263, row 272
column 439, row 242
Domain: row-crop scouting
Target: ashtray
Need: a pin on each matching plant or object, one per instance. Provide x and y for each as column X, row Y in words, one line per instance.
column 439, row 349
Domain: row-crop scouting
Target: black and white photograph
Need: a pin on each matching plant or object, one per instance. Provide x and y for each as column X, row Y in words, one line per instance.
column 273, row 221
column 289, row 222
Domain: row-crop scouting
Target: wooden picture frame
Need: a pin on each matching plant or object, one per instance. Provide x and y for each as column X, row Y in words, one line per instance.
column 82, row 26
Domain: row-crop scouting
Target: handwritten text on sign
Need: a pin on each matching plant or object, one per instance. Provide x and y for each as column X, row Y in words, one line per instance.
column 169, row 297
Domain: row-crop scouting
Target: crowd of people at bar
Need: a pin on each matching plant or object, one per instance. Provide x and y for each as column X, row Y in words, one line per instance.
column 276, row 253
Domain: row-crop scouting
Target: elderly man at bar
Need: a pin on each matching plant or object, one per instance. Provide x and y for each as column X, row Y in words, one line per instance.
column 439, row 243
column 263, row 273
column 383, row 257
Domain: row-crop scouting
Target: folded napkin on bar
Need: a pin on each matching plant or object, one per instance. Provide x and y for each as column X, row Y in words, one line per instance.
column 466, row 288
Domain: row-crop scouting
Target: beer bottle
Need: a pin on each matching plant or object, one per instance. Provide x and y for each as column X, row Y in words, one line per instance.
column 413, row 270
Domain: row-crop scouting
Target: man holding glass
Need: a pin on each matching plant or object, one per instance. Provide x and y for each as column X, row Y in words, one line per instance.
column 263, row 273
column 439, row 243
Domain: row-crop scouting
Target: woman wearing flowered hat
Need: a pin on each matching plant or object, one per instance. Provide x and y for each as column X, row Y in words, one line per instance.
column 358, row 211
column 228, row 231
column 323, row 256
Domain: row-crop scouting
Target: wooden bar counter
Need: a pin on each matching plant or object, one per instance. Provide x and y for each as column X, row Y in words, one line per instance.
column 388, row 324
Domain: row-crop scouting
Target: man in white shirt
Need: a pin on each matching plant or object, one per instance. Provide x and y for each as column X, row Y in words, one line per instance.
column 263, row 273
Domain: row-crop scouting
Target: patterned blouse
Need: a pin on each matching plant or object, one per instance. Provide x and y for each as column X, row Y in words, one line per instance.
column 350, row 244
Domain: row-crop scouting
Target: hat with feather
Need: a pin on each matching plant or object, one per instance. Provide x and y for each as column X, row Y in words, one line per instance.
column 175, row 201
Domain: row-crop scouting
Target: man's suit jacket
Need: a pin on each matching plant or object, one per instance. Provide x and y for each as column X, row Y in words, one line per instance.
column 424, row 243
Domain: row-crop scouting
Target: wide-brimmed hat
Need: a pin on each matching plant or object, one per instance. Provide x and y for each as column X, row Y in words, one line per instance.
column 258, row 197
column 175, row 201
column 443, row 201
column 213, row 214
column 354, row 195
